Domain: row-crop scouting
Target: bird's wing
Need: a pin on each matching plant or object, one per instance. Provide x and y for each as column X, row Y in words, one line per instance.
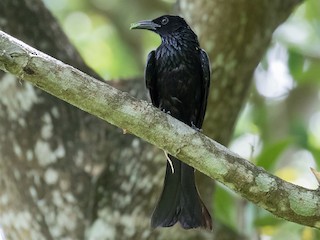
column 150, row 77
column 205, row 66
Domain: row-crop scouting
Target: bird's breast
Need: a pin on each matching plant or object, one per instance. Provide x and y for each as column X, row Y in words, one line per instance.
column 178, row 82
column 172, row 59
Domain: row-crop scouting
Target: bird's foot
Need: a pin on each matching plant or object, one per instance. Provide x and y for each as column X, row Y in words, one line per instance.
column 165, row 111
column 195, row 127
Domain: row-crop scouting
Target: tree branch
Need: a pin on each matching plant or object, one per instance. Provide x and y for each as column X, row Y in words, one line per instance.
column 283, row 199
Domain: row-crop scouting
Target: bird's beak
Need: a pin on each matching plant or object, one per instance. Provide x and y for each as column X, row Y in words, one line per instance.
column 145, row 24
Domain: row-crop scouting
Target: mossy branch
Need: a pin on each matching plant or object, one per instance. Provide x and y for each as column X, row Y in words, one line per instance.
column 283, row 199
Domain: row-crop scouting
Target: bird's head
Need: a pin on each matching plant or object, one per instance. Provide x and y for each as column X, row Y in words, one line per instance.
column 164, row 25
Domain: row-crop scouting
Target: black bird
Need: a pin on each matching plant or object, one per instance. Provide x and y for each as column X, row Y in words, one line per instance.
column 177, row 76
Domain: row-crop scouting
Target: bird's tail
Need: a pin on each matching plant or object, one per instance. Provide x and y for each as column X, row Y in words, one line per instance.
column 180, row 201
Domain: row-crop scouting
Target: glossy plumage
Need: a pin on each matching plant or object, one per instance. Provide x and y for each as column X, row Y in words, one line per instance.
column 178, row 78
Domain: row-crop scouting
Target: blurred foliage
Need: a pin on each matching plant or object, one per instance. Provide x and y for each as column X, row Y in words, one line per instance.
column 100, row 31
column 279, row 128
column 225, row 206
column 283, row 110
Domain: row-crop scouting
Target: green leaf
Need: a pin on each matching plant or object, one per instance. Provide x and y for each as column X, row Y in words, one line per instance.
column 311, row 72
column 295, row 64
column 224, row 207
column 315, row 152
column 300, row 133
column 271, row 152
column 312, row 10
column 288, row 230
column 267, row 220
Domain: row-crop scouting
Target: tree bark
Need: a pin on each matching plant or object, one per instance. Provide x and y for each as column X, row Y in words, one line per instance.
column 63, row 171
column 47, row 153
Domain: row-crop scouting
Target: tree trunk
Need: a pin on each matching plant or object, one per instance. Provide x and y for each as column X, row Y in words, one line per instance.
column 63, row 171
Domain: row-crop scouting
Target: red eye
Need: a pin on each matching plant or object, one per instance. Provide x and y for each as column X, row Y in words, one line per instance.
column 164, row 21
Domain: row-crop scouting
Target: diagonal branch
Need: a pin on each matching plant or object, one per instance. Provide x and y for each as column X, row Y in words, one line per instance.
column 283, row 199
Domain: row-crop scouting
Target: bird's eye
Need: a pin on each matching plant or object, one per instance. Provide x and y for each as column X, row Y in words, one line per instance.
column 164, row 21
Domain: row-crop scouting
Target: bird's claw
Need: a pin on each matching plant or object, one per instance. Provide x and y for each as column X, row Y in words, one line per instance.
column 165, row 111
column 195, row 127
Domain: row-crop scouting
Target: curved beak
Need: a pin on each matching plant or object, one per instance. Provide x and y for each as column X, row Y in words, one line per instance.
column 145, row 24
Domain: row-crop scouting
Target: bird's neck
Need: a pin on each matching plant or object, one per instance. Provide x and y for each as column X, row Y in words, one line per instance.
column 180, row 41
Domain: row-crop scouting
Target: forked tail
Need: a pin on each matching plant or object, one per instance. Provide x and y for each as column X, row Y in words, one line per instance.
column 180, row 201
